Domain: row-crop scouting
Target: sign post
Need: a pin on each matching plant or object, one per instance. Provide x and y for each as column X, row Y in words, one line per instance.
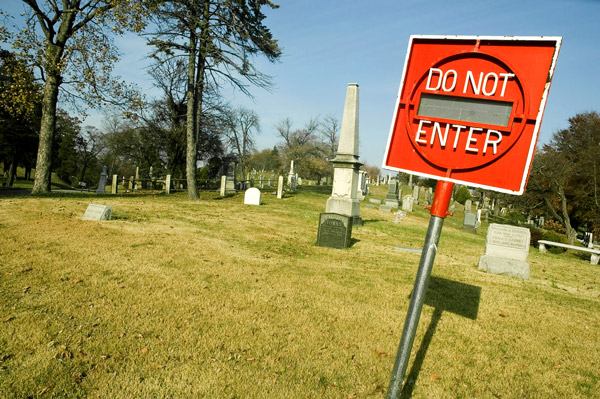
column 443, row 195
column 469, row 111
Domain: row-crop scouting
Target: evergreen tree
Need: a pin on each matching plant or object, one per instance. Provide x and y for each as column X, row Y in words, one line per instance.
column 218, row 40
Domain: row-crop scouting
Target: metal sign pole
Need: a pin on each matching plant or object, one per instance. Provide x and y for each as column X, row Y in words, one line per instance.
column 443, row 194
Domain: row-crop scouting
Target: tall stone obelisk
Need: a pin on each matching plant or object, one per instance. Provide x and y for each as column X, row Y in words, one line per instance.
column 343, row 198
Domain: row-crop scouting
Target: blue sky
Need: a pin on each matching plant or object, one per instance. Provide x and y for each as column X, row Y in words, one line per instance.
column 328, row 44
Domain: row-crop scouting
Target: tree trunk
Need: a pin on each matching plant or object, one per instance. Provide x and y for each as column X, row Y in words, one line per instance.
column 43, row 165
column 83, row 170
column 569, row 230
column 191, row 123
column 12, row 172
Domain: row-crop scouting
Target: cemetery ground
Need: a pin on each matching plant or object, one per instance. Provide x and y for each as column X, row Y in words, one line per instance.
column 213, row 299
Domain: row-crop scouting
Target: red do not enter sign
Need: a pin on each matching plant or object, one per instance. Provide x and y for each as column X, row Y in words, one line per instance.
column 469, row 109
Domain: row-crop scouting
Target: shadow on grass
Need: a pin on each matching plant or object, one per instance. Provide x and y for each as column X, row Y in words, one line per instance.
column 367, row 221
column 326, row 190
column 443, row 295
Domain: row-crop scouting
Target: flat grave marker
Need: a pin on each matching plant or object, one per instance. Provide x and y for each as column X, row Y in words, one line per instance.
column 97, row 212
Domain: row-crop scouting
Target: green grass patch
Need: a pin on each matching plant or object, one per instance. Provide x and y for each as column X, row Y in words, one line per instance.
column 182, row 299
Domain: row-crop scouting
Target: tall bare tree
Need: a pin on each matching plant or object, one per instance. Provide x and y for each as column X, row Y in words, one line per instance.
column 329, row 132
column 218, row 40
column 242, row 125
column 68, row 43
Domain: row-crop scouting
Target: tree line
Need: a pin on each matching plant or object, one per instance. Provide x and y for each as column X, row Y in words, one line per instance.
column 69, row 48
column 64, row 55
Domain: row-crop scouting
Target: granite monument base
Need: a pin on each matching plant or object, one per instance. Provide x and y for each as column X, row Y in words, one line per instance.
column 503, row 266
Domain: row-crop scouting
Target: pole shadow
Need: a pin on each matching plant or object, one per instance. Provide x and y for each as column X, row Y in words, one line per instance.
column 443, row 295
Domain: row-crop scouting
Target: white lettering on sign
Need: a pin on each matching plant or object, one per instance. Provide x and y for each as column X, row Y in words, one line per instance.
column 487, row 84
column 440, row 134
column 436, row 126
column 442, row 80
column 472, row 140
column 429, row 132
column 489, row 142
column 419, row 131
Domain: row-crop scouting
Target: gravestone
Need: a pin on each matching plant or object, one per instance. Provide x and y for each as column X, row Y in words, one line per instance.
column 415, row 194
column 392, row 196
column 470, row 222
column 375, row 201
column 223, row 188
column 335, row 230
column 468, row 205
column 291, row 173
column 385, row 208
column 293, row 183
column 407, row 203
column 252, row 196
column 452, row 208
column 114, row 188
column 168, row 184
column 393, row 204
column 506, row 251
column 486, row 202
column 392, row 193
column 102, row 183
column 271, row 181
column 280, row 187
column 261, row 182
column 345, row 164
column 428, row 196
column 97, row 212
column 228, row 165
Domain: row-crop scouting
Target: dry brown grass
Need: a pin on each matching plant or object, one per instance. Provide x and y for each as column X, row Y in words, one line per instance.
column 214, row 299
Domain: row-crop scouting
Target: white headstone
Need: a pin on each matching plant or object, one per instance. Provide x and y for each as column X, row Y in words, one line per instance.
column 168, row 184
column 223, row 189
column 407, row 203
column 416, row 194
column 114, row 188
column 507, row 241
column 343, row 198
column 252, row 196
column 97, row 212
column 280, row 187
column 506, row 249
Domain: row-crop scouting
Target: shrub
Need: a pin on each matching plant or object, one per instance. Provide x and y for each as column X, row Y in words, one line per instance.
column 516, row 218
column 556, row 237
column 462, row 195
column 536, row 235
column 554, row 226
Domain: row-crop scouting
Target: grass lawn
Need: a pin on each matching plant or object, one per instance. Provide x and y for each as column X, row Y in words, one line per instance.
column 213, row 299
